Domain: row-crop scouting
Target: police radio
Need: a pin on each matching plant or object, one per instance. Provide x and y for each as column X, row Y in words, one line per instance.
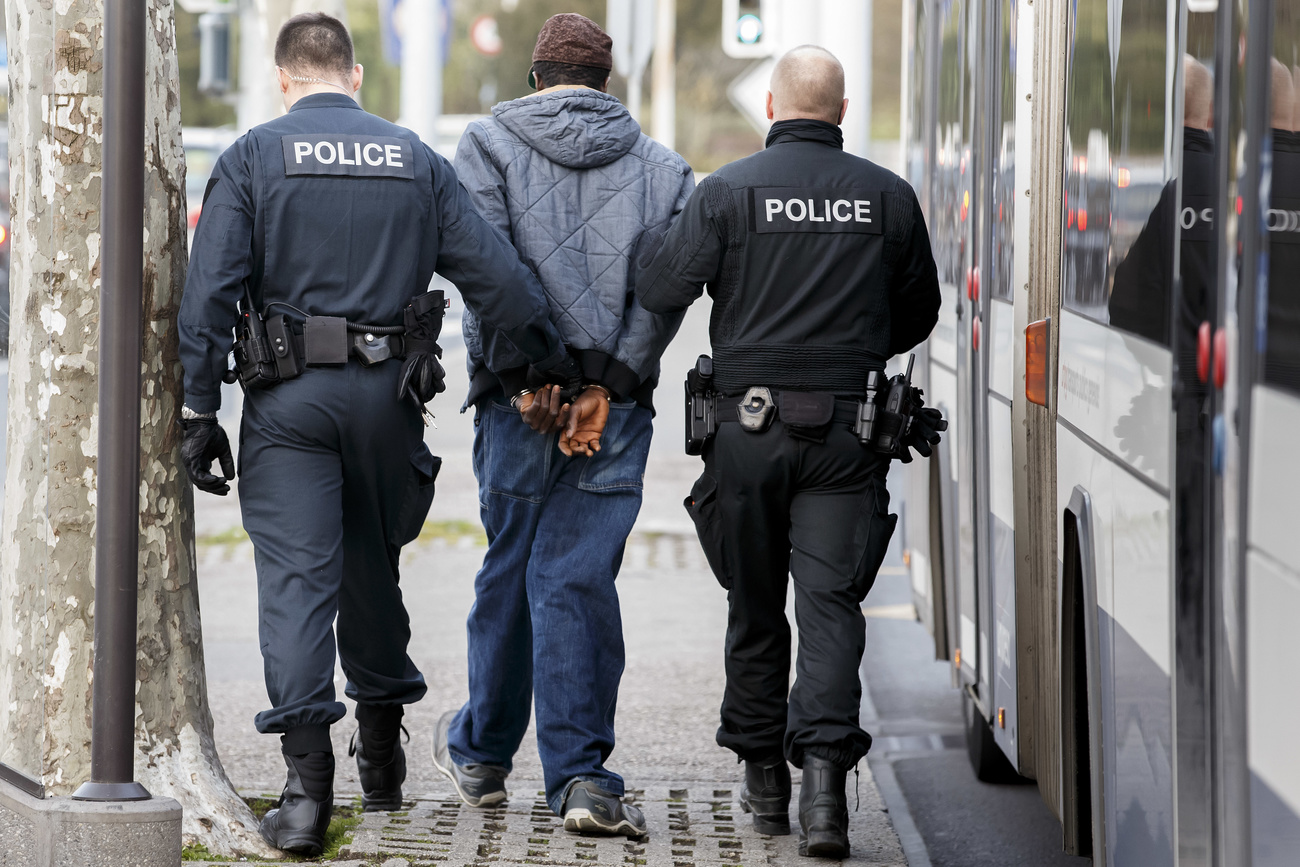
column 255, row 362
column 885, row 412
column 896, row 413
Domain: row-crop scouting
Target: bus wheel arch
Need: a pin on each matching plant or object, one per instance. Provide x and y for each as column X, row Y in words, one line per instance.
column 1082, row 760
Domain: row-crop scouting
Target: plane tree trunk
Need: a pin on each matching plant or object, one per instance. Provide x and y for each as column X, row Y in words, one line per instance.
column 48, row 526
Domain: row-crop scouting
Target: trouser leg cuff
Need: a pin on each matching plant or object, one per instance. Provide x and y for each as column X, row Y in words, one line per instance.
column 301, row 740
column 379, row 717
column 844, row 759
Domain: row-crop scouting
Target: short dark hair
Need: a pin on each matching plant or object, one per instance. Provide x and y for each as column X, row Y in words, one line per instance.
column 314, row 42
column 552, row 72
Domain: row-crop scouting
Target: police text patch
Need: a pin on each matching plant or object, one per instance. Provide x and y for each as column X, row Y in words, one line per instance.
column 362, row 156
column 822, row 209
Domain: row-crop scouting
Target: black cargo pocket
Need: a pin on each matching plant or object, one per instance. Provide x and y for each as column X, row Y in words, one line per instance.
column 871, row 540
column 702, row 505
column 418, row 496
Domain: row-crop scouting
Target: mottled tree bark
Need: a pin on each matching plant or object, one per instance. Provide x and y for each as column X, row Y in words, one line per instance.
column 46, row 561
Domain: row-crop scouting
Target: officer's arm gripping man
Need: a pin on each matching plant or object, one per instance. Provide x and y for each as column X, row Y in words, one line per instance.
column 671, row 275
column 485, row 267
column 914, row 297
column 220, row 262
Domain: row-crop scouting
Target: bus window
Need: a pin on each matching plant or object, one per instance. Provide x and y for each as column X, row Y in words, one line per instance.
column 1087, row 165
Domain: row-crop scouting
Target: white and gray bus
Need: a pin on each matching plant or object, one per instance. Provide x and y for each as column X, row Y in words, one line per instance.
column 1108, row 549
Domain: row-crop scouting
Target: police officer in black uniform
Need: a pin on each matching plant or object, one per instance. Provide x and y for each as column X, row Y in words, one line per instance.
column 820, row 269
column 319, row 235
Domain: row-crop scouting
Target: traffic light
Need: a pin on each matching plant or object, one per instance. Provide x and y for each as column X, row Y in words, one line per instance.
column 214, row 53
column 747, row 27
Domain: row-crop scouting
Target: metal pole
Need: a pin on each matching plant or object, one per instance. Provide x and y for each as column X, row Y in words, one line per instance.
column 421, row 94
column 117, row 510
column 663, row 76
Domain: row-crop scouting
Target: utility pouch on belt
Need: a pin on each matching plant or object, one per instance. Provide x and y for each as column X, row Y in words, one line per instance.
column 326, row 340
column 701, row 406
column 284, row 348
column 806, row 415
column 423, row 321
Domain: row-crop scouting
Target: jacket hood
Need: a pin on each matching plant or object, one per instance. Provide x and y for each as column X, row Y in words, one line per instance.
column 579, row 129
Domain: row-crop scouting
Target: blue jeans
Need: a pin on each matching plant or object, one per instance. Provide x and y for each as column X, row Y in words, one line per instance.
column 545, row 623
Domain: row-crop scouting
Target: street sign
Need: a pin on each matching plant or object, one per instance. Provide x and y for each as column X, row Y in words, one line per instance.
column 748, row 93
column 631, row 25
column 485, row 36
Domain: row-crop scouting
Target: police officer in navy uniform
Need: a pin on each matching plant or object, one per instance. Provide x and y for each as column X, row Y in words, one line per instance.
column 334, row 214
column 820, row 269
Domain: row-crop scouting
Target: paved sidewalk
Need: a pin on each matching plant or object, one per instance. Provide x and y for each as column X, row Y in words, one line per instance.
column 690, row 824
column 674, row 618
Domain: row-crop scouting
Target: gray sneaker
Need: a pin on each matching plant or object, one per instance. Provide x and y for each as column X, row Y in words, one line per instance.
column 477, row 785
column 590, row 810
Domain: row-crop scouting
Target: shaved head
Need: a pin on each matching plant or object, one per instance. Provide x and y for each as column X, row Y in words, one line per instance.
column 808, row 82
column 1198, row 94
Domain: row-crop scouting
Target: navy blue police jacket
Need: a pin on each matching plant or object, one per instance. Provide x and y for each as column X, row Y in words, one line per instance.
column 818, row 262
column 340, row 213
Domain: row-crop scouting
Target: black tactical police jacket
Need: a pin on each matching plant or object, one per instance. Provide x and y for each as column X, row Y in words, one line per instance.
column 818, row 263
column 341, row 213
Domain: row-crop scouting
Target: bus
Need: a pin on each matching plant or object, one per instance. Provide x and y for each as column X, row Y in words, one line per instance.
column 1108, row 547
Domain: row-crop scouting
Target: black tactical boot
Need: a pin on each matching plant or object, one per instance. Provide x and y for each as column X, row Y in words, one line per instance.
column 823, row 810
column 766, row 794
column 381, row 761
column 298, row 822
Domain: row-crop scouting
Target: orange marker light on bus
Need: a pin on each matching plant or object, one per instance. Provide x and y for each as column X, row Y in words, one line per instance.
column 1036, row 352
column 1123, row 178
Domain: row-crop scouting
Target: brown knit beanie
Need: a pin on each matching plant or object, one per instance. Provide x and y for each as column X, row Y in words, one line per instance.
column 573, row 38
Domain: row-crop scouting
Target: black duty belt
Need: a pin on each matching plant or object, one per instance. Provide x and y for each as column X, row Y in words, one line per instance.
column 728, row 408
column 363, row 346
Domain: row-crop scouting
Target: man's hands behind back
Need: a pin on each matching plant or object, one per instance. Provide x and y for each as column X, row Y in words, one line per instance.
column 581, row 423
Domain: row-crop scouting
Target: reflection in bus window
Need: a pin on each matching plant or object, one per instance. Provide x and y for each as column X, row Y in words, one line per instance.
column 1004, row 164
column 1282, row 347
column 1144, row 284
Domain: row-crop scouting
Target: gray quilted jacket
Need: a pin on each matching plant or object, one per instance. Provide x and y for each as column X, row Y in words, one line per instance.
column 572, row 181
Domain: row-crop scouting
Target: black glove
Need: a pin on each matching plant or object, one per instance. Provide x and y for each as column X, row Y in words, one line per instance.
column 422, row 377
column 422, row 373
column 923, row 433
column 205, row 442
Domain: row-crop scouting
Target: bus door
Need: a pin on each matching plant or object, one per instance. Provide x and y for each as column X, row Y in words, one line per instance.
column 993, row 354
column 950, row 208
column 969, row 661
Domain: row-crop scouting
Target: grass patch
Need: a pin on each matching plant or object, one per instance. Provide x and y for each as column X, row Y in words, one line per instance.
column 228, row 538
column 199, row 852
column 344, row 821
column 452, row 532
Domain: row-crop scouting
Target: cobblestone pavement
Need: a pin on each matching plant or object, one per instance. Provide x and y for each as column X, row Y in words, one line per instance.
column 691, row 824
